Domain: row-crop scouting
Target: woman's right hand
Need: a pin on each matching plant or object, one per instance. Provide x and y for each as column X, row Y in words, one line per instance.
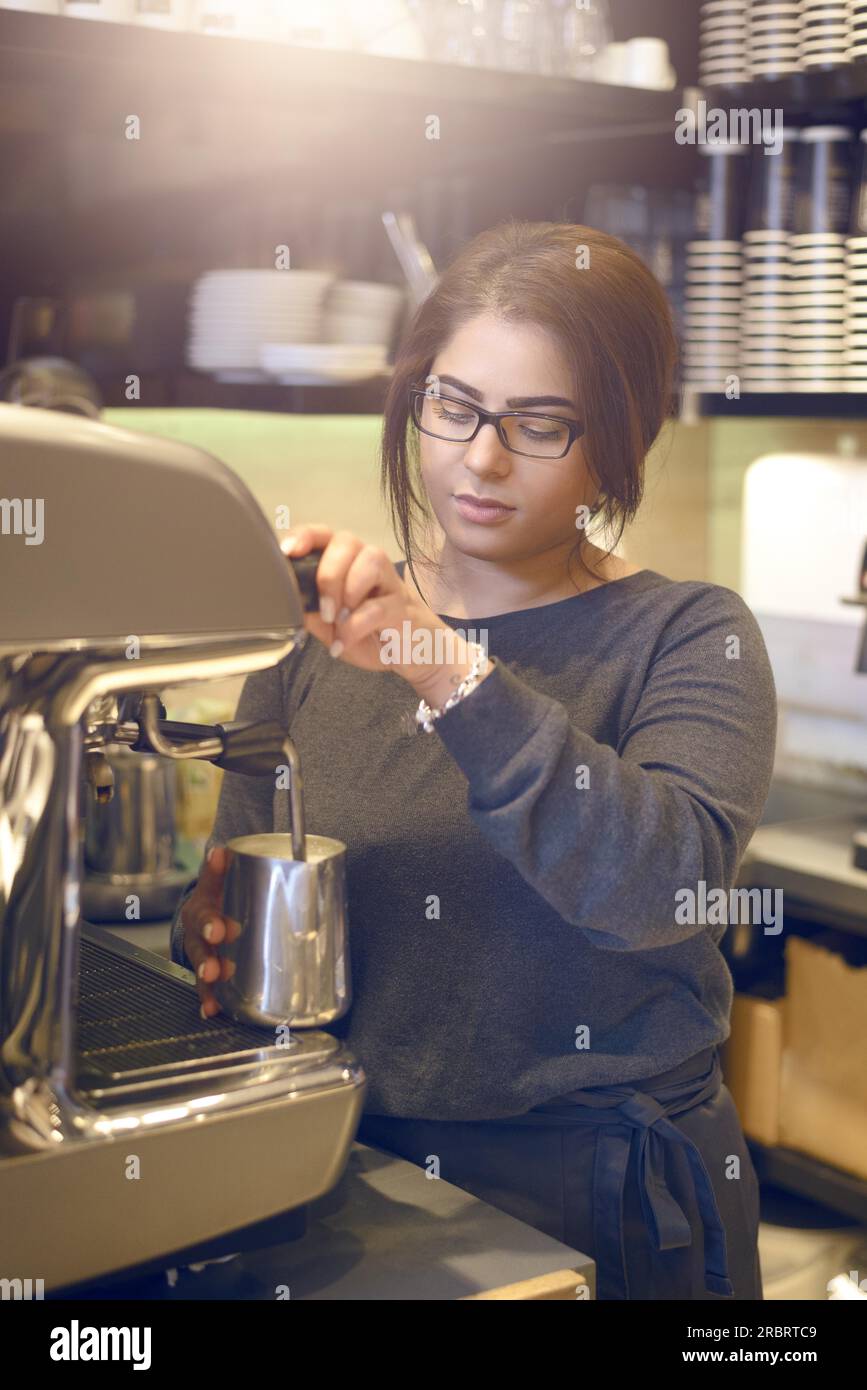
column 205, row 927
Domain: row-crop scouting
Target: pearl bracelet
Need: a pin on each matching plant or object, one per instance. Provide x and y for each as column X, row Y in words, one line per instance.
column 425, row 716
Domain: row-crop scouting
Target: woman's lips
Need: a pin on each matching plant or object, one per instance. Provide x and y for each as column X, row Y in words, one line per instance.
column 482, row 512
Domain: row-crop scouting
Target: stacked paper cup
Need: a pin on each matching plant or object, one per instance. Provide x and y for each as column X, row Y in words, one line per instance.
column 819, row 299
column 713, row 274
column 723, row 52
column 712, row 318
column 857, row 31
column 825, row 33
column 766, row 307
column 774, row 37
column 856, row 274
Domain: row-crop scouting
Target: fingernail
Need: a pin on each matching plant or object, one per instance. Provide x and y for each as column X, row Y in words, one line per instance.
column 208, row 930
column 202, row 1012
column 211, row 852
column 201, row 970
column 343, row 614
column 327, row 609
column 336, row 647
column 288, row 545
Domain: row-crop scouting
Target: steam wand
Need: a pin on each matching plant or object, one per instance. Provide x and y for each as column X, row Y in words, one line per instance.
column 255, row 749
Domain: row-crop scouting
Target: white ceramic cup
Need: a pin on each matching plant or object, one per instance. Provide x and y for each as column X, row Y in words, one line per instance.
column 611, row 65
column 648, row 63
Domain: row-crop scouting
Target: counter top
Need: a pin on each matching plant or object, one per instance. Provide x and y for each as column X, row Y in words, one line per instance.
column 148, row 936
column 386, row 1232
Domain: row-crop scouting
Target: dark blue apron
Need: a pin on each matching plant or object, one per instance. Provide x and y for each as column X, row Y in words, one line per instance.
column 619, row 1152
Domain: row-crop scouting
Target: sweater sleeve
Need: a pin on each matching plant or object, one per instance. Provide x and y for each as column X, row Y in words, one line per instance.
column 245, row 805
column 609, row 835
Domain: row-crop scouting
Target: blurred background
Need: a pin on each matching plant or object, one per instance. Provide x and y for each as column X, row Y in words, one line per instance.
column 216, row 219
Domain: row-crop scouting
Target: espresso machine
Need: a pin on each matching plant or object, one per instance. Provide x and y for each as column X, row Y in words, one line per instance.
column 132, row 1129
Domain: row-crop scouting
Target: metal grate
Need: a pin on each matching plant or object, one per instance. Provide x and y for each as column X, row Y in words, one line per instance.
column 131, row 1018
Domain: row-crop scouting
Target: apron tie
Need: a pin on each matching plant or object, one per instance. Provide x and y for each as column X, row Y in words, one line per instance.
column 664, row 1217
column 648, row 1113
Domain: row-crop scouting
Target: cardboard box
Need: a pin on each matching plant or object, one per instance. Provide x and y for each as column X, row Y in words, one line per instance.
column 751, row 1062
column 823, row 1094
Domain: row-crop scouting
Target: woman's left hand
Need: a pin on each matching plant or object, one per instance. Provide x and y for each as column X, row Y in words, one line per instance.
column 368, row 615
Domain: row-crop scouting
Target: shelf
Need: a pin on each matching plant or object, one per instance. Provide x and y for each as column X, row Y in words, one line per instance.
column 245, row 145
column 824, row 405
column 183, row 389
column 192, row 68
column 808, row 1177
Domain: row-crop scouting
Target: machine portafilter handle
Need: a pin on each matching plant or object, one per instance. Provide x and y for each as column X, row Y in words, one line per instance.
column 305, row 567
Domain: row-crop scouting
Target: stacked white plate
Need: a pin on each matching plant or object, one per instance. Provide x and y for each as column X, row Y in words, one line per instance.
column 322, row 364
column 774, row 38
column 825, row 33
column 857, row 52
column 766, row 306
column 233, row 312
column 723, row 48
column 855, row 341
column 819, row 300
column 712, row 316
column 362, row 311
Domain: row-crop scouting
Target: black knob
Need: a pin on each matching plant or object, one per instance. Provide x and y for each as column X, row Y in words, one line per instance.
column 305, row 567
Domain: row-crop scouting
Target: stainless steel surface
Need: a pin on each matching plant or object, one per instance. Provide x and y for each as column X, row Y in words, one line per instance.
column 73, row 1216
column 812, row 862
column 43, row 704
column 97, row 615
column 133, row 833
column 140, row 1028
column 211, row 748
column 189, row 748
column 291, row 959
column 154, row 937
column 143, row 538
column 133, row 900
column 194, row 1100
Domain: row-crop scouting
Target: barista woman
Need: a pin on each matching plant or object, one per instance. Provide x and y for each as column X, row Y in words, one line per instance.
column 538, row 997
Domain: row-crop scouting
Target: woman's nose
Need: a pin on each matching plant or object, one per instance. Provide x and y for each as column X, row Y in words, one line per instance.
column 486, row 453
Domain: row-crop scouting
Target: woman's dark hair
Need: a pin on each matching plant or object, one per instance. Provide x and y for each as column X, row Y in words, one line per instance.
column 610, row 318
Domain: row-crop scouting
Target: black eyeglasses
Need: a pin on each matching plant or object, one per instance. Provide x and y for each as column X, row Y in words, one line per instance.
column 533, row 436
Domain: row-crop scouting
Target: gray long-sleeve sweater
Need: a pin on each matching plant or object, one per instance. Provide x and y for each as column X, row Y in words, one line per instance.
column 512, row 877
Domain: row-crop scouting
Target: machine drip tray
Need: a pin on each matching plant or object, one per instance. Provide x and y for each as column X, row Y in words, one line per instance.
column 137, row 1012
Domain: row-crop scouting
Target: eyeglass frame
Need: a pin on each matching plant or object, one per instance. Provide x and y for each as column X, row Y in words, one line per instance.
column 576, row 428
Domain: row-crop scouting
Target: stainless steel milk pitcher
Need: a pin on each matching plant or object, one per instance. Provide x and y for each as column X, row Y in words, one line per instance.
column 291, row 957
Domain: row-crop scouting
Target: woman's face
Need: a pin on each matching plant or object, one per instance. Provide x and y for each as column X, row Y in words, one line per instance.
column 504, row 366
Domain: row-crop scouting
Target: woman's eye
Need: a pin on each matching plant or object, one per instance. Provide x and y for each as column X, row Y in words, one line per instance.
column 550, row 434
column 454, row 417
